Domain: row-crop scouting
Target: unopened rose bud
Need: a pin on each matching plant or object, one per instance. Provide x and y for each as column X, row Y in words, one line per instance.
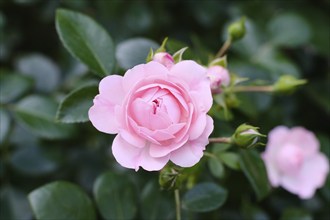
column 247, row 136
column 287, row 83
column 237, row 29
column 164, row 58
column 218, row 76
column 168, row 178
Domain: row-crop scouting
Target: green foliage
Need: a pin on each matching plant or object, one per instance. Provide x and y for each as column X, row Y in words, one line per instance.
column 115, row 196
column 86, row 40
column 255, row 171
column 61, row 200
column 204, row 197
column 74, row 107
column 37, row 113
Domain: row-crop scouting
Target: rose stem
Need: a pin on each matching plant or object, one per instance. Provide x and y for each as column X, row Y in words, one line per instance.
column 177, row 204
column 252, row 89
column 226, row 140
column 224, row 48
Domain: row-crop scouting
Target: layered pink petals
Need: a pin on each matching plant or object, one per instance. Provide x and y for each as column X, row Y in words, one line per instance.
column 293, row 161
column 159, row 113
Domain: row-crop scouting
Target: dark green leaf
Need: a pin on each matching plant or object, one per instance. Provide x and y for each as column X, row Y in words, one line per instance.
column 32, row 161
column 86, row 40
column 61, row 200
column 254, row 169
column 14, row 204
column 37, row 113
column 115, row 196
column 13, row 86
column 134, row 51
column 44, row 71
column 4, row 124
column 230, row 159
column 204, row 197
column 156, row 204
column 296, row 214
column 74, row 107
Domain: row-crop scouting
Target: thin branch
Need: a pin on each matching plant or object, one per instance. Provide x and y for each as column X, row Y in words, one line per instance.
column 226, row 140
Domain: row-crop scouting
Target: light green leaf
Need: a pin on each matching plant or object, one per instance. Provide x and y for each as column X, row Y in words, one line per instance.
column 61, row 200
column 134, row 51
column 4, row 124
column 216, row 167
column 230, row 159
column 254, row 169
column 74, row 107
column 204, row 197
column 37, row 113
column 41, row 69
column 13, row 86
column 115, row 197
column 86, row 40
column 289, row 30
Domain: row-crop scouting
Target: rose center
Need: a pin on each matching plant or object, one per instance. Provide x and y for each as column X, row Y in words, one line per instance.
column 156, row 104
column 290, row 159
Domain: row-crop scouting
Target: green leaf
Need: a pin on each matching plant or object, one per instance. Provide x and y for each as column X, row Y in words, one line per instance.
column 156, row 204
column 4, row 124
column 204, row 197
column 134, row 51
column 61, row 200
column 230, row 159
column 115, row 196
column 289, row 30
column 254, row 169
column 44, row 72
column 216, row 167
column 74, row 107
column 14, row 204
column 13, row 86
column 295, row 214
column 32, row 161
column 86, row 40
column 37, row 113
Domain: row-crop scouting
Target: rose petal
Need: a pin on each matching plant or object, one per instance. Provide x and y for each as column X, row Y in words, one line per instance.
column 304, row 139
column 190, row 72
column 157, row 150
column 102, row 116
column 140, row 72
column 197, row 127
column 131, row 157
column 272, row 172
column 111, row 89
column 276, row 138
column 187, row 155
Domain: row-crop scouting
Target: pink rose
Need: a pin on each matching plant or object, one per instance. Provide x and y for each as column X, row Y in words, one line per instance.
column 218, row 76
column 159, row 114
column 164, row 58
column 294, row 162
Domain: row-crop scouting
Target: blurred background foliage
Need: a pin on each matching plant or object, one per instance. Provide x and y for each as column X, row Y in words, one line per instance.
column 283, row 37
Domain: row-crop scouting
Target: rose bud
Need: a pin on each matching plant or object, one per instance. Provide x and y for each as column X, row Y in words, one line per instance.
column 218, row 76
column 247, row 136
column 164, row 58
column 293, row 160
column 237, row 30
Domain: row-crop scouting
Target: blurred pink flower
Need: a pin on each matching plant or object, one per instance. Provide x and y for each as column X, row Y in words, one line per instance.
column 218, row 76
column 293, row 161
column 164, row 58
column 159, row 114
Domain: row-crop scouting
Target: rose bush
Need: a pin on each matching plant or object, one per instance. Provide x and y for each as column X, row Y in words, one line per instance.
column 293, row 161
column 160, row 114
